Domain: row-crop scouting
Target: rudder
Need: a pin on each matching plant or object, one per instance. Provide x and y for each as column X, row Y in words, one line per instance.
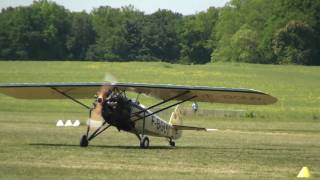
column 176, row 119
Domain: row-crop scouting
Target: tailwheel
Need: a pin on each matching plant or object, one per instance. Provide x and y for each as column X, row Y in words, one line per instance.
column 144, row 142
column 172, row 143
column 84, row 141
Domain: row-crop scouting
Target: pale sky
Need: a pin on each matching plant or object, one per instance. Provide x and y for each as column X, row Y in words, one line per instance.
column 185, row 7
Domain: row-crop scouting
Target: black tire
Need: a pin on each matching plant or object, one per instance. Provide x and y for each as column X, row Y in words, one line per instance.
column 84, row 141
column 172, row 143
column 144, row 143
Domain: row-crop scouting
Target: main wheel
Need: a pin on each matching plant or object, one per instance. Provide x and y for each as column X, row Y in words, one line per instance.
column 144, row 143
column 84, row 141
column 172, row 143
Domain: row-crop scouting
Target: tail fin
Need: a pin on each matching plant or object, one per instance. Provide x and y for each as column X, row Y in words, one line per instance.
column 177, row 124
column 176, row 119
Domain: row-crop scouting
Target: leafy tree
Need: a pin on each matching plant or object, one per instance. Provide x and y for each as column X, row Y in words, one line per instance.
column 296, row 43
column 255, row 31
column 129, row 41
column 236, row 22
column 35, row 32
column 264, row 19
column 114, row 28
column 197, row 37
column 160, row 35
column 128, row 44
column 242, row 47
column 49, row 26
column 14, row 33
column 284, row 11
column 106, row 22
column 80, row 36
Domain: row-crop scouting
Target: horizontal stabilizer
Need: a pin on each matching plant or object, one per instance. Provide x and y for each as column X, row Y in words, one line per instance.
column 179, row 127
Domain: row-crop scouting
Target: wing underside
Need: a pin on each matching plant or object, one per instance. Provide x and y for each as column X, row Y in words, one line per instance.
column 88, row 90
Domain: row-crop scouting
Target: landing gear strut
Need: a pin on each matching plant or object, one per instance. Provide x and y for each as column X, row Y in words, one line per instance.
column 84, row 142
column 144, row 140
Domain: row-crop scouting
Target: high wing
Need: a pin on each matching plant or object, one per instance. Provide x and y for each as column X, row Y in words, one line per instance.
column 160, row 91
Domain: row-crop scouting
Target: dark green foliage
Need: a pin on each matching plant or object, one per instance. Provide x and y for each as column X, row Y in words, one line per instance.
column 129, row 40
column 81, row 35
column 253, row 31
column 296, row 43
column 160, row 35
column 118, row 34
column 197, row 37
column 247, row 28
column 49, row 26
column 107, row 23
column 35, row 32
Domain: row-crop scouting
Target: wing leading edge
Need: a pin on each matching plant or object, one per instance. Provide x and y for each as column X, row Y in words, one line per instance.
column 161, row 91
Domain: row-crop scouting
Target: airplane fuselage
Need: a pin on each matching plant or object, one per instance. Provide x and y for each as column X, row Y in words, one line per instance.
column 133, row 117
column 154, row 125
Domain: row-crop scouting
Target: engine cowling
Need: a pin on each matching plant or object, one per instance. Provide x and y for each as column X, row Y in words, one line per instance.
column 117, row 111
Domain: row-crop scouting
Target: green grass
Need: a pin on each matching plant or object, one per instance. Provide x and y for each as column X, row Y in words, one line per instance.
column 274, row 144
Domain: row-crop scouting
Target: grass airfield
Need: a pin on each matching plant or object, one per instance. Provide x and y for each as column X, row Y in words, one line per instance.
column 270, row 142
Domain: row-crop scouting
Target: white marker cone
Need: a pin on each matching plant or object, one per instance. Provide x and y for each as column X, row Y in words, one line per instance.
column 68, row 123
column 76, row 123
column 60, row 123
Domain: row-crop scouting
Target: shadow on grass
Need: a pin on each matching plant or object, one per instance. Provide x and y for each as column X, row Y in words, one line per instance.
column 101, row 146
column 168, row 147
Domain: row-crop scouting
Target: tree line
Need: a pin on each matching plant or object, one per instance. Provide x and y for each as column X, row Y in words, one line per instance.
column 253, row 31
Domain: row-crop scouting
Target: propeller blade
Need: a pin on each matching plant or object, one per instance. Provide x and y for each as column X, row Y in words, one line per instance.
column 96, row 119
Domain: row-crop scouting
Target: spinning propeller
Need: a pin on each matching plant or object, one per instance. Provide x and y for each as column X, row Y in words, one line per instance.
column 96, row 119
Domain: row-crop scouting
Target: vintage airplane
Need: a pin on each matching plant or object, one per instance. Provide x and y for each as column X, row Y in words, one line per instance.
column 112, row 107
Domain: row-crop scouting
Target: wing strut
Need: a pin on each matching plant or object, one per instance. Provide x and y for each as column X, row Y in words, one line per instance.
column 180, row 102
column 69, row 97
column 158, row 104
column 98, row 131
